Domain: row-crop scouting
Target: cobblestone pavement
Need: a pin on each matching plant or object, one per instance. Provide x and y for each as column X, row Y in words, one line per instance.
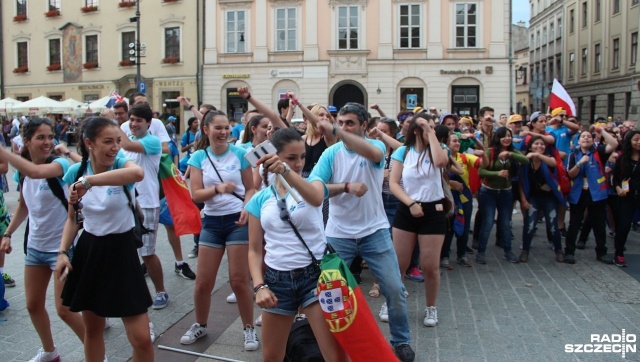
column 497, row 312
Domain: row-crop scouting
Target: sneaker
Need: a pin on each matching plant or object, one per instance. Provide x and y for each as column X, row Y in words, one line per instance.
column 152, row 332
column 184, row 271
column 464, row 262
column 510, row 257
column 161, row 300
column 524, row 256
column 8, row 281
column 414, row 274
column 581, row 245
column 480, row 258
column 559, row 256
column 144, row 270
column 384, row 313
column 619, row 261
column 193, row 253
column 250, row 339
column 444, row 263
column 231, row 298
column 258, row 321
column 193, row 334
column 604, row 259
column 569, row 259
column 43, row 356
column 405, row 353
column 430, row 317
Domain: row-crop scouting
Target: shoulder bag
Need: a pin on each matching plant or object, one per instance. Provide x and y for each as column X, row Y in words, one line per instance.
column 220, row 177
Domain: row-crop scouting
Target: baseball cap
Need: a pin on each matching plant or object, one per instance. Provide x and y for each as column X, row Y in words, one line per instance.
column 332, row 109
column 467, row 119
column 534, row 116
column 450, row 115
column 558, row 111
column 171, row 118
column 417, row 110
column 515, row 118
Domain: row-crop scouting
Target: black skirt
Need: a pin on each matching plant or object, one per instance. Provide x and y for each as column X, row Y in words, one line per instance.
column 107, row 277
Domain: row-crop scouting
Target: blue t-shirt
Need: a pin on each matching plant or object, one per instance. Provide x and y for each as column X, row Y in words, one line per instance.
column 173, row 150
column 563, row 138
column 187, row 138
column 235, row 132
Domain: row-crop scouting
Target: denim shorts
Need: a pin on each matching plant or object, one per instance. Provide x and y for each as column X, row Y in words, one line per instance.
column 221, row 231
column 295, row 288
column 38, row 258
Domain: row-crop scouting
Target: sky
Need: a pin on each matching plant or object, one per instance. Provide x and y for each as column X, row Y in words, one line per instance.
column 521, row 11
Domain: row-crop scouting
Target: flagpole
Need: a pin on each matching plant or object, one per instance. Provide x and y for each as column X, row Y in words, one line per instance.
column 138, row 77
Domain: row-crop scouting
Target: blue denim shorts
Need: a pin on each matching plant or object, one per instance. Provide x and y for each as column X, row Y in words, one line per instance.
column 38, row 258
column 221, row 231
column 295, row 288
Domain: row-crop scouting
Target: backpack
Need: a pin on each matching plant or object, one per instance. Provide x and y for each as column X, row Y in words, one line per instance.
column 474, row 176
column 56, row 189
column 560, row 173
column 301, row 344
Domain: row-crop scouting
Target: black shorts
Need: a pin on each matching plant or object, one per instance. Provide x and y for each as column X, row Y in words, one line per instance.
column 515, row 190
column 431, row 223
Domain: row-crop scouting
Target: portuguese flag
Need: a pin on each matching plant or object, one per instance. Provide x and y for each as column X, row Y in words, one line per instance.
column 348, row 315
column 185, row 214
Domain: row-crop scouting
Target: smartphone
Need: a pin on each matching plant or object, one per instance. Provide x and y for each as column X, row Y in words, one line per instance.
column 259, row 151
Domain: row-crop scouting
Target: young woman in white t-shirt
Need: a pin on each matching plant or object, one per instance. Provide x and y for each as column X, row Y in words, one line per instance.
column 104, row 275
column 222, row 179
column 420, row 215
column 47, row 216
column 291, row 276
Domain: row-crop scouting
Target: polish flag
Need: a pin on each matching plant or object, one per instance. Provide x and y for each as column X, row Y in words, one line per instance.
column 560, row 98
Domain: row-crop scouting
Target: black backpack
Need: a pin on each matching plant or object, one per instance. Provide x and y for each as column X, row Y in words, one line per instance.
column 56, row 189
column 302, row 345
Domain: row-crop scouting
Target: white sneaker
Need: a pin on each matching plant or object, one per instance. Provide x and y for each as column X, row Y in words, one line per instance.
column 105, row 359
column 250, row 339
column 430, row 317
column 258, row 321
column 231, row 298
column 153, row 333
column 107, row 323
column 193, row 334
column 43, row 356
column 384, row 313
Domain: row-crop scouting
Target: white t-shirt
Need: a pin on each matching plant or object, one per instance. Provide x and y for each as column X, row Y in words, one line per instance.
column 47, row 215
column 148, row 188
column 105, row 208
column 156, row 128
column 353, row 217
column 423, row 183
column 229, row 165
column 18, row 141
column 284, row 251
column 15, row 123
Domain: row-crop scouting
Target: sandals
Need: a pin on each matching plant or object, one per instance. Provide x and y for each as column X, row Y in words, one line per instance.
column 374, row 292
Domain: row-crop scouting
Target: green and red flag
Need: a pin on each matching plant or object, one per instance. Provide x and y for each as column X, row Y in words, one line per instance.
column 348, row 315
column 185, row 214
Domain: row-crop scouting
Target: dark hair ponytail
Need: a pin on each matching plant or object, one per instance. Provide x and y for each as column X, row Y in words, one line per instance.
column 280, row 139
column 90, row 129
column 208, row 117
column 29, row 130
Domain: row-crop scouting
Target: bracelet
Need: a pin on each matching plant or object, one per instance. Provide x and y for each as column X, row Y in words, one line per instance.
column 68, row 153
column 248, row 96
column 63, row 252
column 346, row 188
column 296, row 102
column 190, row 106
column 413, row 203
column 260, row 286
column 7, row 235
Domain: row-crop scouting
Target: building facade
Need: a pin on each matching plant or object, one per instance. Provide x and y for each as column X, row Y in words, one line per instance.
column 450, row 54
column 546, row 56
column 602, row 48
column 86, row 49
column 520, row 38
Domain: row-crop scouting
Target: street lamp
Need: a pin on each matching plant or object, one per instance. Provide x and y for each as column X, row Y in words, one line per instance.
column 136, row 19
column 521, row 72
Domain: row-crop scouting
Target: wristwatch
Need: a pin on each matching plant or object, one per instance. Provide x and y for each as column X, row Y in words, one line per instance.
column 85, row 183
column 286, row 169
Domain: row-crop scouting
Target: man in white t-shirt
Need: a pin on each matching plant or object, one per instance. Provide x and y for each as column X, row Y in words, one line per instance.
column 353, row 171
column 145, row 150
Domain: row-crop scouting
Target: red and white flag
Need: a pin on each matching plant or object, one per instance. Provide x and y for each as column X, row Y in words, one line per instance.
column 560, row 98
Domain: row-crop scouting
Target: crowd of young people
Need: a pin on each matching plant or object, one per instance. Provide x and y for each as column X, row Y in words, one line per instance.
column 394, row 192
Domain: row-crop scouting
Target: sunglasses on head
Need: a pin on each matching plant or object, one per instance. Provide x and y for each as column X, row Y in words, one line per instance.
column 387, row 120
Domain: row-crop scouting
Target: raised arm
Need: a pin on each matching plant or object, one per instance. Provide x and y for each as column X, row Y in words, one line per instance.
column 28, row 168
column 353, row 142
column 262, row 108
column 130, row 145
column 187, row 105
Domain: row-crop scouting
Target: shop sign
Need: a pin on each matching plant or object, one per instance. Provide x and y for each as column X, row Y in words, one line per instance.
column 461, row 72
column 236, row 76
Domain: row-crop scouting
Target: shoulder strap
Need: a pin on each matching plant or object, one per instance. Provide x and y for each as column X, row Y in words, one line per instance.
column 57, row 190
column 220, row 177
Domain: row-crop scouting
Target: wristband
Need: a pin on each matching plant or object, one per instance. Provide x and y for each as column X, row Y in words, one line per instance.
column 413, row 203
column 68, row 153
column 7, row 235
column 346, row 188
column 248, row 96
column 63, row 252
column 260, row 286
column 296, row 102
column 190, row 106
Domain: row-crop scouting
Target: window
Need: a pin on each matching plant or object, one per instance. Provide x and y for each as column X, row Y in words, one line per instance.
column 584, row 14
column 21, row 7
column 410, row 26
column 532, row 42
column 235, row 31
column 611, row 101
column 616, row 6
column 572, row 65
column 537, row 39
column 54, row 4
column 172, row 43
column 89, row 3
column 598, row 3
column 551, row 32
column 466, row 14
column 286, row 26
column 572, row 21
column 128, row 37
column 54, row 51
column 635, row 2
column 596, row 64
column 544, row 35
column 584, row 62
column 551, row 70
column 559, row 22
column 634, row 48
column 23, row 54
column 348, row 24
column 559, row 68
column 91, row 46
column 615, row 62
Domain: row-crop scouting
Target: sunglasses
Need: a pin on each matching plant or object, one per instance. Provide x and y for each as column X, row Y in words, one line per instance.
column 284, row 213
column 387, row 120
column 77, row 207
